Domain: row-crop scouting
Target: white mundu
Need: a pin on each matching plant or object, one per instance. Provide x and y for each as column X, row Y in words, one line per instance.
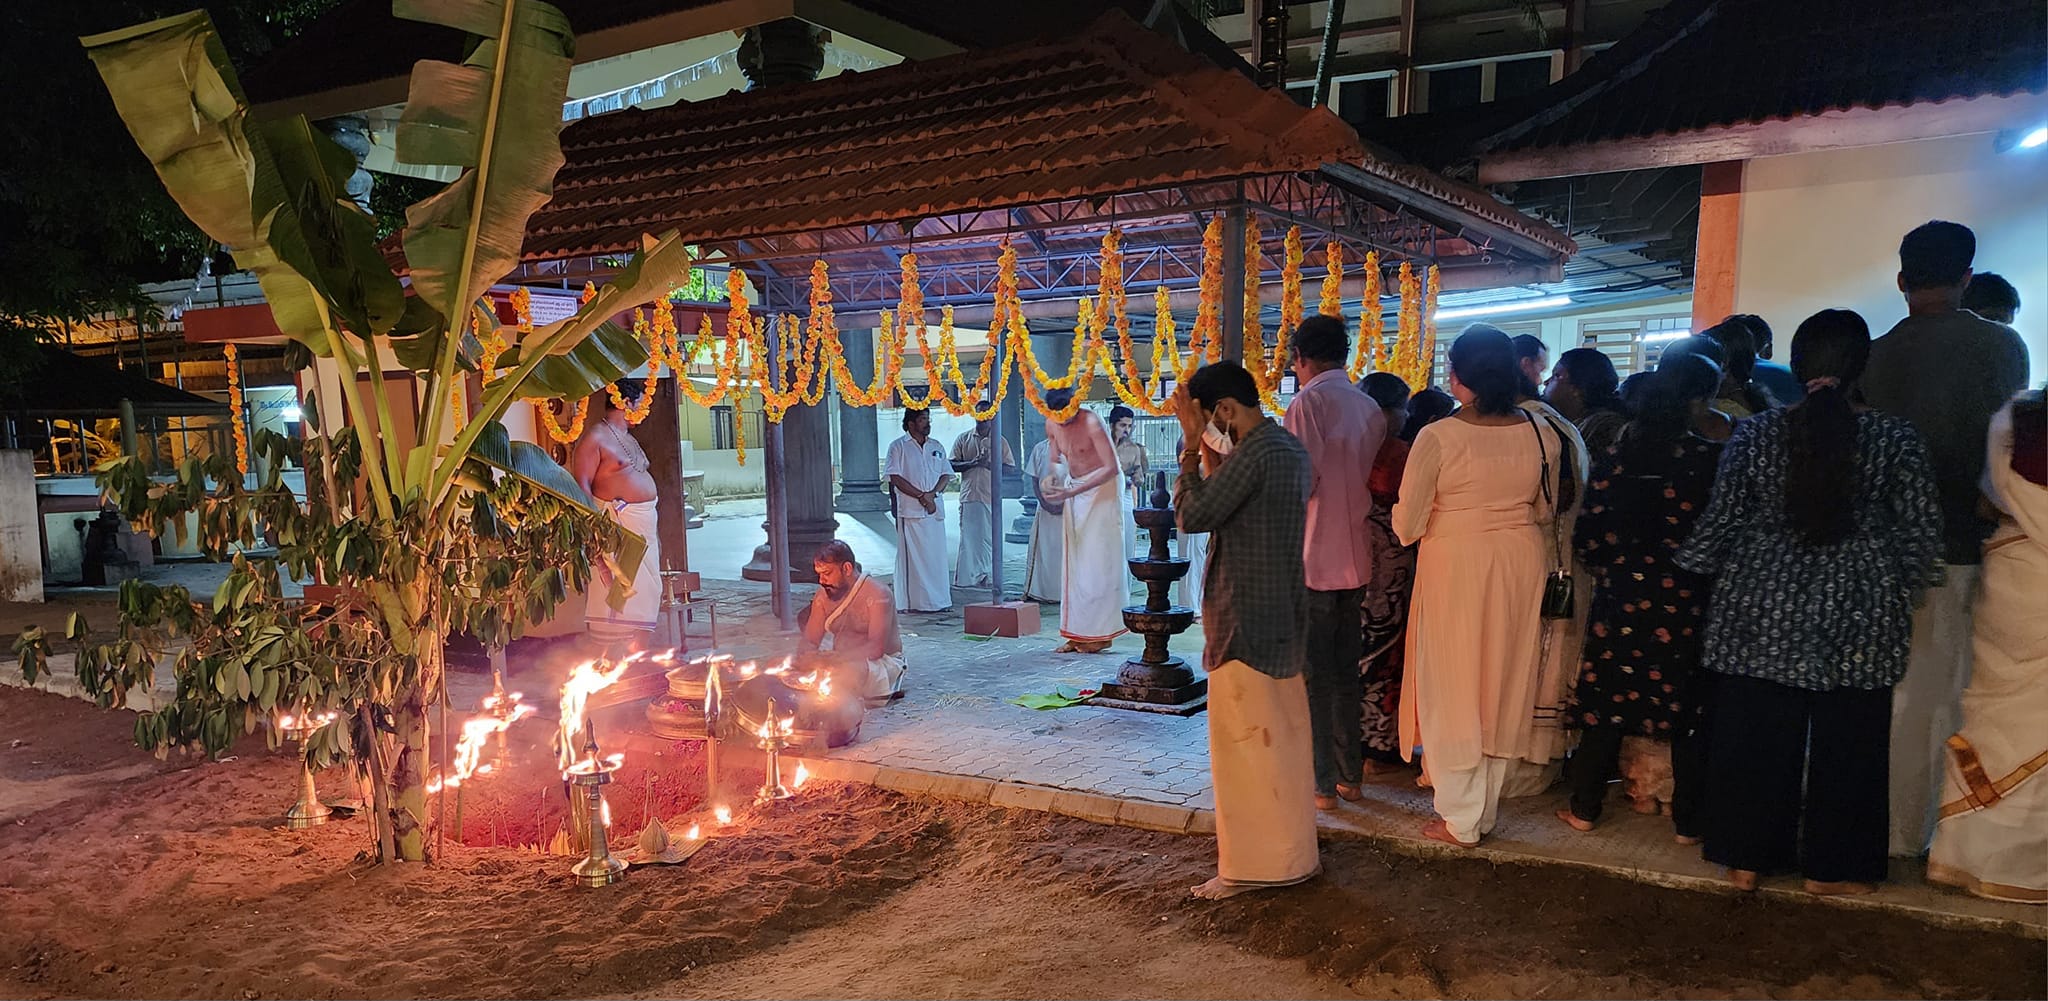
column 1042, row 568
column 921, row 583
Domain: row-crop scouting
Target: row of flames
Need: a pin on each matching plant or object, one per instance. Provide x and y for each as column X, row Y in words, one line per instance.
column 576, row 744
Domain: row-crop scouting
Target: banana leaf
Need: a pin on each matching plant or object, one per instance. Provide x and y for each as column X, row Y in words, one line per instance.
column 451, row 113
column 495, row 448
column 175, row 89
column 607, row 354
column 309, row 222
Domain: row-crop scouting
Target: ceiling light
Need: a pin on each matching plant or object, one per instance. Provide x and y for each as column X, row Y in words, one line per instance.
column 1512, row 306
column 2034, row 139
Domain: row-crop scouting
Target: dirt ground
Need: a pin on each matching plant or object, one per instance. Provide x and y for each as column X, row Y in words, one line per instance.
column 121, row 876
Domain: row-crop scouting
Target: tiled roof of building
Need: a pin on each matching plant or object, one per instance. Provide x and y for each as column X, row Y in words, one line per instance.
column 1701, row 64
column 1112, row 109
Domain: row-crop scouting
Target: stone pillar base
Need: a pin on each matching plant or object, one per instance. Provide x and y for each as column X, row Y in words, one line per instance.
column 861, row 497
column 804, row 539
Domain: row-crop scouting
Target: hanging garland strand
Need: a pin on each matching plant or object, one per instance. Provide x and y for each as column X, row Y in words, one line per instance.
column 233, row 355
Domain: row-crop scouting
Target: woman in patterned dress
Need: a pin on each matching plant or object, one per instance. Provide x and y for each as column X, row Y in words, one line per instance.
column 1384, row 614
column 1824, row 529
column 1637, row 674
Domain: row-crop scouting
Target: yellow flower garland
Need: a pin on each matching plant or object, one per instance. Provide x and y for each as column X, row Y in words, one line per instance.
column 1333, row 280
column 1371, row 354
column 554, row 431
column 1428, row 373
column 233, row 355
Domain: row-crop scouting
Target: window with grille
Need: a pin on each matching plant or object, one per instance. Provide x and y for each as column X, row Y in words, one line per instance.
column 1514, row 77
column 1633, row 345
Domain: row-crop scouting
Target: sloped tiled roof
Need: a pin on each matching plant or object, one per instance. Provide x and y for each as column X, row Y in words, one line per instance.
column 63, row 383
column 1116, row 108
column 1702, row 64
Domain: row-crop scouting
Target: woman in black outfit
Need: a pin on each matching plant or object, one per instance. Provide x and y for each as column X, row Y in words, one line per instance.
column 1639, row 674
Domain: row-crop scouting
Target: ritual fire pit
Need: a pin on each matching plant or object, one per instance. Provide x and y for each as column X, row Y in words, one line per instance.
column 1157, row 681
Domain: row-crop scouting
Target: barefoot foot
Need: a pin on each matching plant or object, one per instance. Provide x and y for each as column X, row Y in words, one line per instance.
column 1685, row 839
column 1838, row 888
column 1573, row 820
column 1325, row 802
column 1220, row 889
column 1349, row 794
column 1742, row 879
column 1437, row 830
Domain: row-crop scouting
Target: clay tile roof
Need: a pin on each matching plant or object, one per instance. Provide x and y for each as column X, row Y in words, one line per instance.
column 1700, row 64
column 62, row 383
column 1115, row 108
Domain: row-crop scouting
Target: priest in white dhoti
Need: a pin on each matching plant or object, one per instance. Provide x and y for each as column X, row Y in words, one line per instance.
column 970, row 461
column 620, row 610
column 852, row 619
column 1092, row 594
column 1042, row 579
column 918, row 473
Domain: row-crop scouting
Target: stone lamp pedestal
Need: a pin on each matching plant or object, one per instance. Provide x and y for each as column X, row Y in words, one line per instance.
column 1157, row 681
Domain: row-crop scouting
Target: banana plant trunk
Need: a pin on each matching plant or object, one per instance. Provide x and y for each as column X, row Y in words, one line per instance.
column 414, row 742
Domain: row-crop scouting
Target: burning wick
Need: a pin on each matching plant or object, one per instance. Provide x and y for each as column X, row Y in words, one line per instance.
column 724, row 815
column 693, row 834
column 802, row 776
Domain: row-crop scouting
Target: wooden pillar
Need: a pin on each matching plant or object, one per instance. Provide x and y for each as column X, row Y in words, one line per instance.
column 661, row 437
column 1720, row 240
column 1404, row 78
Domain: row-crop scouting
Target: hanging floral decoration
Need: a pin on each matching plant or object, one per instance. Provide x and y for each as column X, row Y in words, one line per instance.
column 808, row 349
column 240, row 431
column 1332, row 303
column 1371, row 352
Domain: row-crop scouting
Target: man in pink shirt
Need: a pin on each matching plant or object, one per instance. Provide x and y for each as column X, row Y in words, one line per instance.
column 1342, row 429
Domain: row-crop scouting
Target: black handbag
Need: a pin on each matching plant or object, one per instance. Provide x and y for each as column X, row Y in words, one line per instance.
column 1558, row 589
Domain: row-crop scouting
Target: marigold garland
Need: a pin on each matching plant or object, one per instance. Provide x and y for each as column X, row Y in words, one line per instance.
column 546, row 413
column 1290, row 289
column 1428, row 373
column 1371, row 353
column 1407, row 361
column 635, row 413
column 241, row 433
column 1333, row 280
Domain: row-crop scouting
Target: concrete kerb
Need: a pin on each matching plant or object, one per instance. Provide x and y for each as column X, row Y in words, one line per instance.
column 1151, row 816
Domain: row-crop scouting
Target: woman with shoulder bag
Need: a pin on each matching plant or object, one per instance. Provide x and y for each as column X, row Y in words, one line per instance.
column 1473, row 496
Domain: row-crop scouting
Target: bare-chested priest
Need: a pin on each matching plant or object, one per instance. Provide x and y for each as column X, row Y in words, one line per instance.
column 1092, row 595
column 853, row 618
column 613, row 468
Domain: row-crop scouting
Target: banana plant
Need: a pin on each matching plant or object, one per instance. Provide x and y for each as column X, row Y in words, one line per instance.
column 273, row 193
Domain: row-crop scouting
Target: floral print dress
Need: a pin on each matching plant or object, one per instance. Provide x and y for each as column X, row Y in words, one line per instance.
column 1384, row 615
column 1644, row 633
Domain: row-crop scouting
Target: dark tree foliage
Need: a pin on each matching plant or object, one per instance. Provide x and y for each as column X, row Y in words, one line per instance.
column 83, row 220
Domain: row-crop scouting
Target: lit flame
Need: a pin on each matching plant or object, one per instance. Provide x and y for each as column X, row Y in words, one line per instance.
column 604, row 810
column 802, row 776
column 586, row 680
column 747, row 669
column 782, row 668
column 693, row 834
column 723, row 813
column 469, row 748
column 825, row 687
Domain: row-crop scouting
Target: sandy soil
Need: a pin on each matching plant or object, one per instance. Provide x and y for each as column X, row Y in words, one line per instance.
column 124, row 877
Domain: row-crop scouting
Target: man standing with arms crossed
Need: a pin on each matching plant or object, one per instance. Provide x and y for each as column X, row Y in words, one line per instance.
column 918, row 473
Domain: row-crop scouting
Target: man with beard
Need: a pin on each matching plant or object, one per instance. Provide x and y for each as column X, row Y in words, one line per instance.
column 853, row 617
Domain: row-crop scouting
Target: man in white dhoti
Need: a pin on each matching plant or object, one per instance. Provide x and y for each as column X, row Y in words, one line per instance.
column 852, row 618
column 1194, row 546
column 1092, row 594
column 620, row 613
column 1255, row 508
column 918, row 473
column 970, row 461
column 1042, row 578
column 1992, row 838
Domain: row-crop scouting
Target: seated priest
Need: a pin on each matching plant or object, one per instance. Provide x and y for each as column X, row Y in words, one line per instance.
column 852, row 618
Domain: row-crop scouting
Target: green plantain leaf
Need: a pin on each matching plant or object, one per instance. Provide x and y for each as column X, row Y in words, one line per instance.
column 178, row 94
column 495, row 448
column 449, row 109
column 308, row 221
column 607, row 354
